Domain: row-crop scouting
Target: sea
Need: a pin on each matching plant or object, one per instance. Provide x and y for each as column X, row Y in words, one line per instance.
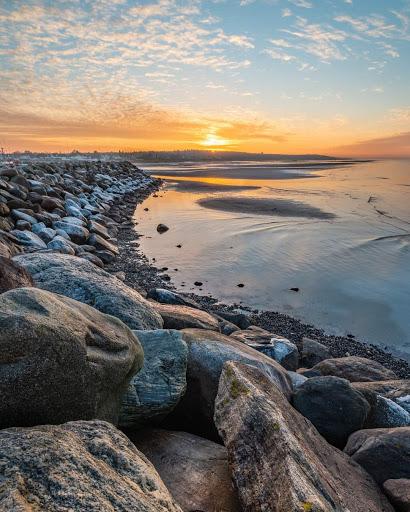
column 327, row 243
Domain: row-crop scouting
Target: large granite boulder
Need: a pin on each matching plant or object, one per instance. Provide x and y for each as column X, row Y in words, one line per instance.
column 184, row 317
column 384, row 412
column 383, row 452
column 157, row 388
column 278, row 459
column 61, row 360
column 355, row 369
column 207, row 352
column 81, row 466
column 195, row 470
column 83, row 281
column 398, row 492
column 334, row 407
column 13, row 275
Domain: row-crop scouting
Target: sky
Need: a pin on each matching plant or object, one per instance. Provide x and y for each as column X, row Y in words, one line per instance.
column 273, row 76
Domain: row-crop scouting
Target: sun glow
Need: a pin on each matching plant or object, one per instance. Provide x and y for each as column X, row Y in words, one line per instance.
column 212, row 140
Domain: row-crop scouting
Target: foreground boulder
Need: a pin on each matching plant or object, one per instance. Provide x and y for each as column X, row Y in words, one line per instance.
column 398, row 492
column 61, row 360
column 81, row 280
column 82, row 466
column 158, row 387
column 383, row 452
column 334, row 407
column 13, row 275
column 184, row 317
column 278, row 459
column 195, row 470
column 207, row 353
column 355, row 369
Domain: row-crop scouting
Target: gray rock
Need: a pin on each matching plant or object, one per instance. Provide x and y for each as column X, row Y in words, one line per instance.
column 99, row 229
column 169, row 297
column 396, row 390
column 184, row 317
column 195, row 470
column 82, row 466
column 60, row 244
column 46, row 234
column 207, row 352
column 29, row 240
column 61, row 360
column 19, row 215
column 13, row 276
column 355, row 369
column 101, row 244
column 398, row 492
column 383, row 452
column 334, row 407
column 157, row 388
column 83, row 281
column 278, row 460
column 77, row 234
column 297, row 379
column 384, row 412
column 313, row 352
column 162, row 228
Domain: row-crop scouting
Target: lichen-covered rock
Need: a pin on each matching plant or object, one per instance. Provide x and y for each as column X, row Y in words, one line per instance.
column 355, row 369
column 158, row 387
column 83, row 281
column 81, row 466
column 334, row 407
column 207, row 353
column 383, row 452
column 184, row 317
column 195, row 470
column 61, row 360
column 278, row 460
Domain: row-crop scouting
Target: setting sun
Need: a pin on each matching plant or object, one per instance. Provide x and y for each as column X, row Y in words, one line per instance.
column 214, row 140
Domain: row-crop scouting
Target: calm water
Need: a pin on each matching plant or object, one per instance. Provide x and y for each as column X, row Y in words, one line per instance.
column 352, row 265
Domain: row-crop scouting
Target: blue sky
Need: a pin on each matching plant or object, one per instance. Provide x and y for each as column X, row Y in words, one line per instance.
column 279, row 75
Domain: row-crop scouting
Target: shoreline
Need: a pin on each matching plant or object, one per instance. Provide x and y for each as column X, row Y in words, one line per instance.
column 142, row 275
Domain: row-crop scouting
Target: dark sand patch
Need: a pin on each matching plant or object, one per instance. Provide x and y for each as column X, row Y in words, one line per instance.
column 265, row 206
column 202, row 186
column 240, row 173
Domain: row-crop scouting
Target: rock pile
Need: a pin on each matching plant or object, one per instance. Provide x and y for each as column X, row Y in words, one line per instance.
column 216, row 414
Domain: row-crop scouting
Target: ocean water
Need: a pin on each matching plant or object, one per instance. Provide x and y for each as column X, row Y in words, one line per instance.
column 339, row 233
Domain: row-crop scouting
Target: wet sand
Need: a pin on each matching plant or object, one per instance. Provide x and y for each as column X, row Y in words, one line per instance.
column 265, row 206
column 202, row 186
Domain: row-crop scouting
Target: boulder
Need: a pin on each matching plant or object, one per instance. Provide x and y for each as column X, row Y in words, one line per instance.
column 239, row 319
column 157, row 388
column 184, row 317
column 60, row 244
column 383, row 452
column 334, row 407
column 396, row 390
column 102, row 244
column 398, row 492
column 355, row 369
column 207, row 352
column 78, row 234
column 84, row 281
column 278, row 460
column 169, row 297
column 297, row 379
column 61, row 360
column 162, row 228
column 29, row 240
column 278, row 348
column 384, row 413
column 13, row 275
column 82, row 466
column 195, row 470
column 313, row 352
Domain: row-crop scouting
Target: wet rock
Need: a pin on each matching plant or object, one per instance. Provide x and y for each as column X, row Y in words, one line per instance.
column 207, row 352
column 398, row 492
column 279, row 461
column 184, row 317
column 83, row 466
column 83, row 281
column 157, row 388
column 61, row 360
column 13, row 275
column 194, row 469
column 355, row 369
column 313, row 352
column 334, row 407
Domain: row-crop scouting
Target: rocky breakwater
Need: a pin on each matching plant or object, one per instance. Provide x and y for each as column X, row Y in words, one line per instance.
column 114, row 399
